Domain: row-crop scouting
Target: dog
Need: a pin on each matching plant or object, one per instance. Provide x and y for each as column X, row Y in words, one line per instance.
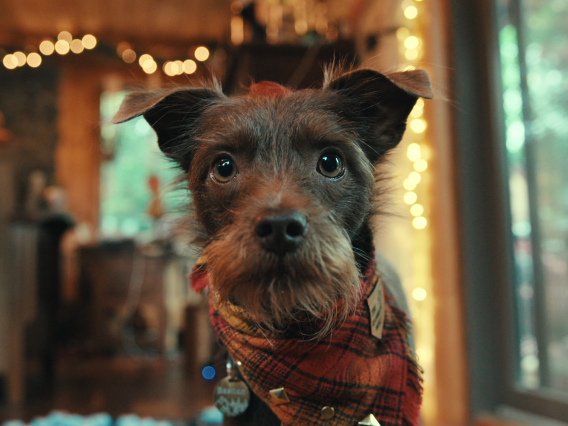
column 284, row 187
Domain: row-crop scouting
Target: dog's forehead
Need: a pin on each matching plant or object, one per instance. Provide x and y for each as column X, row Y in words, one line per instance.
column 286, row 117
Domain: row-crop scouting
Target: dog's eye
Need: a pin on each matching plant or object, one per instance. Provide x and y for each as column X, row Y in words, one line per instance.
column 224, row 170
column 331, row 166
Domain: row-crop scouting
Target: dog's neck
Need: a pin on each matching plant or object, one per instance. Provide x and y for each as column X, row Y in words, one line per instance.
column 363, row 246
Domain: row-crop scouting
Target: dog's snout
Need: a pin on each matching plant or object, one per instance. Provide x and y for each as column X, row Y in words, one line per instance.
column 282, row 232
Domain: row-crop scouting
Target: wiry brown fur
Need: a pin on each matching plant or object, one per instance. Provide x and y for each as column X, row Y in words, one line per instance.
column 276, row 137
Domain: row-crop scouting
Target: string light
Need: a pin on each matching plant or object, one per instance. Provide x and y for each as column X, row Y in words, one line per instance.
column 418, row 125
column 89, row 41
column 410, row 197
column 76, row 46
column 419, row 294
column 415, row 177
column 128, row 56
column 189, row 66
column 420, row 222
column 21, row 58
column 34, row 60
column 62, row 47
column 201, row 53
column 46, row 47
column 10, row 61
column 420, row 165
column 413, row 152
column 65, row 36
column 417, row 210
column 411, row 12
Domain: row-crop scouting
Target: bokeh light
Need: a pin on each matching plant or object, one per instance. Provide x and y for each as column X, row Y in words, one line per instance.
column 417, row 210
column 419, row 294
column 128, row 56
column 62, row 47
column 46, row 47
column 201, row 53
column 34, row 60
column 21, row 58
column 411, row 12
column 410, row 197
column 76, row 46
column 208, row 372
column 89, row 41
column 189, row 66
column 420, row 165
column 419, row 222
column 65, row 36
column 10, row 61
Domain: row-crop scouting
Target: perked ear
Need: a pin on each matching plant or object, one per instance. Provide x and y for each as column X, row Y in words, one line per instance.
column 379, row 104
column 173, row 114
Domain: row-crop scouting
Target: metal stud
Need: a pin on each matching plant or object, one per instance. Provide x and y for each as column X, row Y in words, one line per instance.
column 279, row 396
column 370, row 420
column 327, row 412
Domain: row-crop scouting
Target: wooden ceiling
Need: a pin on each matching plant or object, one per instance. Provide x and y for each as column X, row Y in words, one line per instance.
column 137, row 21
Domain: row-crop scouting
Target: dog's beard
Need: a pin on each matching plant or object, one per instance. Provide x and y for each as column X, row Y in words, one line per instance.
column 319, row 282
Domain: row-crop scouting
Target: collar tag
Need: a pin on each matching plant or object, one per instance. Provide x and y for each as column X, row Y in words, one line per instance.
column 376, row 302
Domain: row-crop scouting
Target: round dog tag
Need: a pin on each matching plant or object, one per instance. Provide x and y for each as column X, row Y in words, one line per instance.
column 232, row 398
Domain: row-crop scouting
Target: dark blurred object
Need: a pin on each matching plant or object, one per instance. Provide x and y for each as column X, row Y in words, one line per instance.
column 43, row 335
column 5, row 135
column 123, row 297
column 290, row 65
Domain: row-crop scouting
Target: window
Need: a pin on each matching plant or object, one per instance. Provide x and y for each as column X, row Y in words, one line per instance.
column 132, row 165
column 533, row 40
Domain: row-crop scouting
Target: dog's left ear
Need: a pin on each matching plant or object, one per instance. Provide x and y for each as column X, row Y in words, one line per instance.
column 173, row 114
column 378, row 105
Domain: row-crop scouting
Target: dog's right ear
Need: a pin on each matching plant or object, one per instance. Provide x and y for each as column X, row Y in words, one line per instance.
column 173, row 114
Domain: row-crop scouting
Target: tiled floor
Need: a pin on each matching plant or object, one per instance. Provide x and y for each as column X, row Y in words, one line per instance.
column 153, row 387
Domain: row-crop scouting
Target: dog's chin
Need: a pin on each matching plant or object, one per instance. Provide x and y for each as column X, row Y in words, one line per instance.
column 319, row 283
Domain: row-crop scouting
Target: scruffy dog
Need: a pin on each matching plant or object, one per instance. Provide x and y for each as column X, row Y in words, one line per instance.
column 284, row 187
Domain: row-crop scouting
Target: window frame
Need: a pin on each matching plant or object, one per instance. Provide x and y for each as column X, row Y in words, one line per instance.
column 487, row 254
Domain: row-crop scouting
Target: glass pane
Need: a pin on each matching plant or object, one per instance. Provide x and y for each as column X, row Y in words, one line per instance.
column 535, row 102
column 133, row 173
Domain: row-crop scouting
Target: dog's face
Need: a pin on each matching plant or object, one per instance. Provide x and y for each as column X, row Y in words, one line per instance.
column 282, row 183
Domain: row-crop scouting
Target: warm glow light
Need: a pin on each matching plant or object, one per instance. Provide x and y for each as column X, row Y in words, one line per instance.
column 62, row 47
column 417, row 111
column 408, row 185
column 413, row 152
column 237, row 30
column 121, row 47
column 179, row 67
column 411, row 42
column 201, row 53
column 145, row 58
column 46, row 47
column 417, row 210
column 419, row 294
column 34, row 60
column 21, row 58
column 420, row 165
column 411, row 54
column 420, row 103
column 402, row 33
column 411, row 12
column 89, row 41
column 65, row 36
column 128, row 56
column 189, row 66
column 409, row 68
column 174, row 68
column 167, row 68
column 419, row 222
column 415, row 178
column 10, row 61
column 418, row 125
column 150, row 67
column 76, row 46
column 410, row 198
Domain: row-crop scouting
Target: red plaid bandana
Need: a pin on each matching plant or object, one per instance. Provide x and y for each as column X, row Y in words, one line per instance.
column 350, row 370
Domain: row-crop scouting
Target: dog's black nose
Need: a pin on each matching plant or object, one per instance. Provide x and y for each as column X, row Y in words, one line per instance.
column 282, row 232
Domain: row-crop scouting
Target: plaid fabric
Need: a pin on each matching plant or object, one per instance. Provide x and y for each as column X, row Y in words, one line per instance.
column 351, row 371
